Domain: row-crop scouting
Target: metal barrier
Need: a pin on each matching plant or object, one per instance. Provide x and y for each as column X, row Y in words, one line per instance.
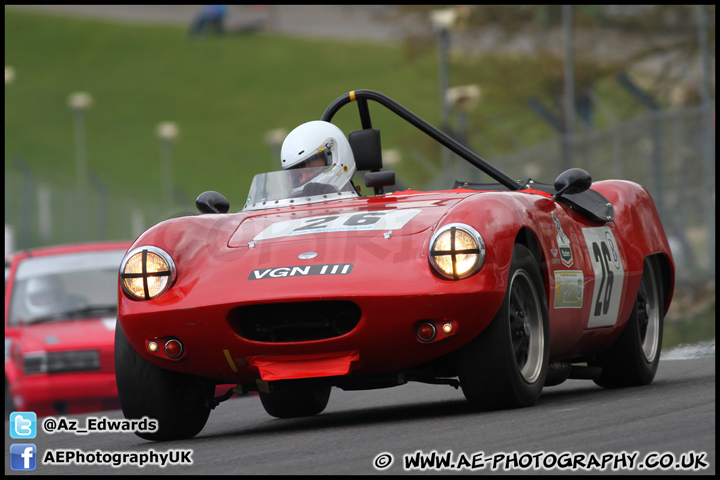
column 39, row 212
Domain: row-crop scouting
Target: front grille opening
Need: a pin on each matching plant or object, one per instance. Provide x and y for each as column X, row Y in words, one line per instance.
column 294, row 322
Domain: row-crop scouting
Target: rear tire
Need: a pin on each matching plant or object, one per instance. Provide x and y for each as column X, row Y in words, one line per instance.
column 506, row 365
column 295, row 402
column 634, row 357
column 179, row 402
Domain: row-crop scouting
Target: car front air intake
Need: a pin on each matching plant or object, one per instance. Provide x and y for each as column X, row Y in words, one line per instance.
column 294, row 322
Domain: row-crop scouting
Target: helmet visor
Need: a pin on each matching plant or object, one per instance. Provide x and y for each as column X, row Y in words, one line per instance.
column 320, row 158
column 44, row 298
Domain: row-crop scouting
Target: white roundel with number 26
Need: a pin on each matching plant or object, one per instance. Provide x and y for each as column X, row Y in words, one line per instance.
column 609, row 276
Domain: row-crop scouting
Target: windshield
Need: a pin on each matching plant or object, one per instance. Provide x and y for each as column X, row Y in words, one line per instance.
column 62, row 287
column 295, row 187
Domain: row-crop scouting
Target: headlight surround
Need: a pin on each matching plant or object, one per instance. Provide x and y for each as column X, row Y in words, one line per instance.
column 146, row 273
column 456, row 251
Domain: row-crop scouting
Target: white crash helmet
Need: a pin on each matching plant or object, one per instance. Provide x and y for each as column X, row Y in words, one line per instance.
column 320, row 140
column 44, row 295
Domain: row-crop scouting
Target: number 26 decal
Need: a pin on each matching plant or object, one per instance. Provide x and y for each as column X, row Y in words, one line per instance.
column 391, row 219
column 601, row 255
column 609, row 276
column 359, row 219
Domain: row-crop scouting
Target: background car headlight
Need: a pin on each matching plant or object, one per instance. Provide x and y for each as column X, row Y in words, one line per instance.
column 146, row 273
column 457, row 251
column 61, row 362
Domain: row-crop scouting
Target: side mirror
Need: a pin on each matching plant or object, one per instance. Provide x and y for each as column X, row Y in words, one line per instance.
column 378, row 180
column 575, row 180
column 212, row 202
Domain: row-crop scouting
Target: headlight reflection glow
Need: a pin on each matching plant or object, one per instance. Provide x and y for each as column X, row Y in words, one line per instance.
column 457, row 251
column 146, row 273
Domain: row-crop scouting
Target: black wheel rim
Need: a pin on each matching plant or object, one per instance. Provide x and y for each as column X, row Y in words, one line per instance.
column 526, row 326
column 648, row 314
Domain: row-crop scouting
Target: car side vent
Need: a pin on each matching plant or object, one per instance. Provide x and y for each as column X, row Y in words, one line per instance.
column 294, row 322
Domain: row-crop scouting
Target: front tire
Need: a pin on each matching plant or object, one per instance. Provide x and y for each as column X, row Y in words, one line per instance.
column 634, row 357
column 179, row 402
column 506, row 365
column 9, row 401
column 295, row 402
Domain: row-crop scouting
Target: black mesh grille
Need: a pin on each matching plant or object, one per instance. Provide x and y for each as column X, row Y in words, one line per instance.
column 294, row 322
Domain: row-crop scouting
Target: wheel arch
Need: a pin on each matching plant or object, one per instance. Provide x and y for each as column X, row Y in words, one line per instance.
column 662, row 265
column 527, row 237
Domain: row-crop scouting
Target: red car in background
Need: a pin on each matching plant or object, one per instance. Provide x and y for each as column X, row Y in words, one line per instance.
column 60, row 314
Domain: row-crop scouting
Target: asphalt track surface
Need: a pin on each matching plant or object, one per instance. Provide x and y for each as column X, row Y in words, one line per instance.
column 671, row 420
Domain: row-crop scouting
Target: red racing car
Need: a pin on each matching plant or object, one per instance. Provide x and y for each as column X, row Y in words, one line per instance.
column 60, row 315
column 499, row 289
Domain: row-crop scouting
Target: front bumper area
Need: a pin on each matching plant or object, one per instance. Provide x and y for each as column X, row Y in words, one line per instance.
column 383, row 341
column 59, row 394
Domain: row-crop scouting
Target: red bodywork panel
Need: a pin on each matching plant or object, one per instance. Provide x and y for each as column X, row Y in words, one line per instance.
column 373, row 252
column 286, row 367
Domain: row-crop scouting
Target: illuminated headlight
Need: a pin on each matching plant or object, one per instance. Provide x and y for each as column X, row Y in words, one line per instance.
column 457, row 251
column 61, row 362
column 146, row 273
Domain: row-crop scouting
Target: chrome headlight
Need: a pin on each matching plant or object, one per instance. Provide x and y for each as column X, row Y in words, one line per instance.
column 456, row 251
column 146, row 273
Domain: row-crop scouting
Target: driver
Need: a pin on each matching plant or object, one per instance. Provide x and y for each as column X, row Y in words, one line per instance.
column 44, row 296
column 322, row 156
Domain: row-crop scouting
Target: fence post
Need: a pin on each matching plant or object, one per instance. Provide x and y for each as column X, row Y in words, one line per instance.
column 9, row 240
column 101, row 207
column 138, row 222
column 27, row 202
column 44, row 212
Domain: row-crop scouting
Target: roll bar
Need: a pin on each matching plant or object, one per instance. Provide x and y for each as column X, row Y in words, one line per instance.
column 362, row 96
